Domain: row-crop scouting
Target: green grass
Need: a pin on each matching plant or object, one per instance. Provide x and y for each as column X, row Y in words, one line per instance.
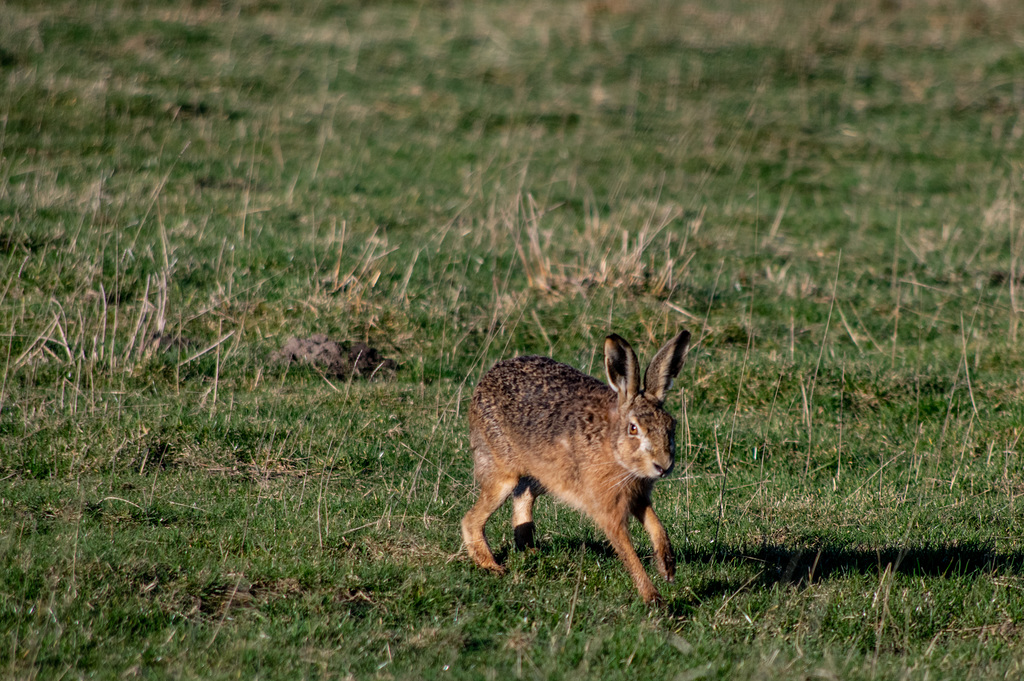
column 827, row 195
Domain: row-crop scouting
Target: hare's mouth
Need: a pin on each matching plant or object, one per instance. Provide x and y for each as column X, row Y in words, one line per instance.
column 661, row 471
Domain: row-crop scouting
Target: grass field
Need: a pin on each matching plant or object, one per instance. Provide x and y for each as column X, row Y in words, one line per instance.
column 830, row 196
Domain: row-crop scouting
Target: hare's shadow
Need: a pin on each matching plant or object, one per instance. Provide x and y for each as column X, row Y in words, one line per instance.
column 802, row 566
column 563, row 546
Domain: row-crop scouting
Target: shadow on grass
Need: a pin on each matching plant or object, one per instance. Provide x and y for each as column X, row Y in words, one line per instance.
column 810, row 564
column 801, row 566
column 590, row 547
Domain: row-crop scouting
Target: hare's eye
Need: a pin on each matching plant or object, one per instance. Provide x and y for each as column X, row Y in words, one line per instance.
column 633, row 430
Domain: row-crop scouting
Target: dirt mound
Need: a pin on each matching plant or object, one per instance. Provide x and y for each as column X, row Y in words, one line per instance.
column 166, row 342
column 339, row 360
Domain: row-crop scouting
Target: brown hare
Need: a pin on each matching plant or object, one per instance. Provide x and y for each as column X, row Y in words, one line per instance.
column 536, row 426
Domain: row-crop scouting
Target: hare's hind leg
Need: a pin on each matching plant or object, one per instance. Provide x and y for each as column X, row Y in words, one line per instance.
column 526, row 491
column 492, row 495
column 495, row 486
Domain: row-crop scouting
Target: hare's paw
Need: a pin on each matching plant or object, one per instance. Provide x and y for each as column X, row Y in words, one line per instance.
column 487, row 562
column 524, row 536
column 666, row 564
column 652, row 597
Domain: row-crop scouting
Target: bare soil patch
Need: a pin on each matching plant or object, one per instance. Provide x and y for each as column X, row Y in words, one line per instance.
column 343, row 359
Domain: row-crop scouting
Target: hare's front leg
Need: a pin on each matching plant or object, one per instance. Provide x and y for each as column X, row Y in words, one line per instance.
column 664, row 556
column 618, row 534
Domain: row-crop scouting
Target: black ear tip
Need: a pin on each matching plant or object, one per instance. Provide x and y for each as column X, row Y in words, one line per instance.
column 682, row 342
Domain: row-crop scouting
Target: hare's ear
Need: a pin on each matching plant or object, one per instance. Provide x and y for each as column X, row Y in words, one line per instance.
column 665, row 366
column 622, row 368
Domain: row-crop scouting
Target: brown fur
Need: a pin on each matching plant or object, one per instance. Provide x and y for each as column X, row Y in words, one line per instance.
column 536, row 426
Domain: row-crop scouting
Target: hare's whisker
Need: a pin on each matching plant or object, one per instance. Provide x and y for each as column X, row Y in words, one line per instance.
column 627, row 477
